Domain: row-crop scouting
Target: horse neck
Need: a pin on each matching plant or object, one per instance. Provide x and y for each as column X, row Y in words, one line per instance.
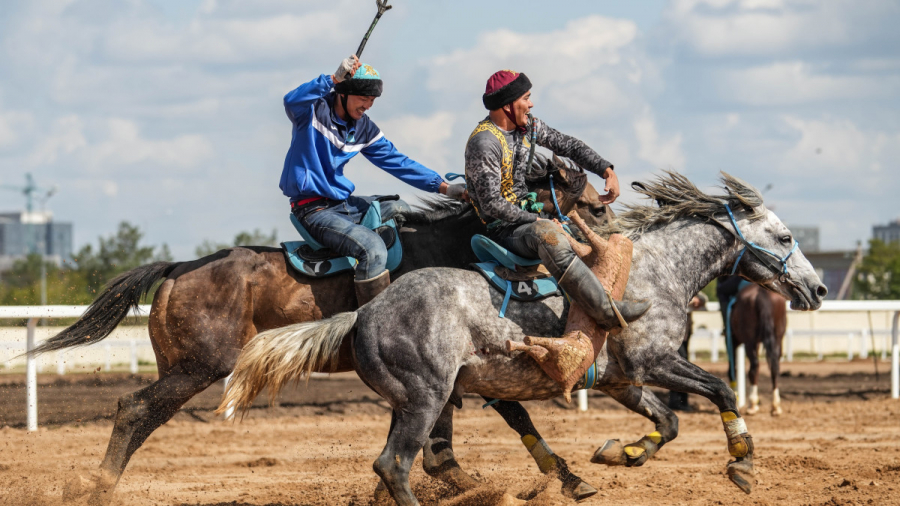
column 685, row 255
column 445, row 243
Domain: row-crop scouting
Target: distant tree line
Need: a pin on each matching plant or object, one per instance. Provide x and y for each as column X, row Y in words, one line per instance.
column 877, row 277
column 79, row 282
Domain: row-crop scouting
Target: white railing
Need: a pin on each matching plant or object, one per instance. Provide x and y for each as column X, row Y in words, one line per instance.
column 35, row 313
column 828, row 306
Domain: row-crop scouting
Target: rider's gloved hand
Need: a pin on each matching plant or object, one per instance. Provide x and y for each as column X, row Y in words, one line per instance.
column 457, row 192
column 346, row 69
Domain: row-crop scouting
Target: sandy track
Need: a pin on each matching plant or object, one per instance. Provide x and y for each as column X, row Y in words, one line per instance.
column 830, row 447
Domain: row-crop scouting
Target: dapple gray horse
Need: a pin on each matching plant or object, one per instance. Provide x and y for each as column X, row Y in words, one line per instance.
column 435, row 334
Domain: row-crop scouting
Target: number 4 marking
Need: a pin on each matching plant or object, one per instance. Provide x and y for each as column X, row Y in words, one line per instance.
column 524, row 287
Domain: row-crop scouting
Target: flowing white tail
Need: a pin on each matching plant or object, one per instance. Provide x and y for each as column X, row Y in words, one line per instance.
column 275, row 357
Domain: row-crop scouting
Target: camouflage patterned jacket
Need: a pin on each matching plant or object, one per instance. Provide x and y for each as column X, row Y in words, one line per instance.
column 495, row 167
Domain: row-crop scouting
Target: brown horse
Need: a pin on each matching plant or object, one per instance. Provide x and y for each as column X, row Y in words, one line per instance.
column 760, row 316
column 206, row 310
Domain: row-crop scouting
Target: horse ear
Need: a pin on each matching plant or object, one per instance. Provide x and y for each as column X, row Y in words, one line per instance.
column 558, row 167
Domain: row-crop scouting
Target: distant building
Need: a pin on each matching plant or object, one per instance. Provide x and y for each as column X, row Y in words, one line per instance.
column 22, row 233
column 887, row 233
column 832, row 268
column 808, row 237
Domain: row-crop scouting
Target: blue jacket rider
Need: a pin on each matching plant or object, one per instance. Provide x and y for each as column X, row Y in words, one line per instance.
column 330, row 128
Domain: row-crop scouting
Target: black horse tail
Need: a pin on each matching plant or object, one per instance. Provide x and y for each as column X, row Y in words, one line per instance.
column 119, row 296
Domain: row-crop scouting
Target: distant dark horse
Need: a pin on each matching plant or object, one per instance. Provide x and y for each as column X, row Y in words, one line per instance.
column 759, row 316
column 206, row 310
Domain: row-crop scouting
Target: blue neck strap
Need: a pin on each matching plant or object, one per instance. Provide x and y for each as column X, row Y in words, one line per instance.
column 562, row 218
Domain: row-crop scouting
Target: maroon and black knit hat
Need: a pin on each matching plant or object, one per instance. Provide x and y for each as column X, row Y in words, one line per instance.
column 504, row 87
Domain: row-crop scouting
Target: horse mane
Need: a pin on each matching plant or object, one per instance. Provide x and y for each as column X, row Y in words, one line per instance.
column 431, row 210
column 677, row 197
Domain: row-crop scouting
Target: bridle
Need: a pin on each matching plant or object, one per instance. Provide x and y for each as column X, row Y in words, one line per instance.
column 769, row 258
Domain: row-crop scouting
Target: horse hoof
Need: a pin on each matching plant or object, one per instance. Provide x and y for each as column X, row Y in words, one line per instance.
column 381, row 494
column 458, row 478
column 76, row 487
column 752, row 410
column 578, row 490
column 612, row 453
column 740, row 472
column 777, row 411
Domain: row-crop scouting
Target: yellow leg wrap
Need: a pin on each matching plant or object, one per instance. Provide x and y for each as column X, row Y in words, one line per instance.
column 648, row 444
column 540, row 452
column 739, row 442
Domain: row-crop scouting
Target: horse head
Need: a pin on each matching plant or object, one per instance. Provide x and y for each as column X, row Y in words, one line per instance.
column 769, row 255
column 569, row 184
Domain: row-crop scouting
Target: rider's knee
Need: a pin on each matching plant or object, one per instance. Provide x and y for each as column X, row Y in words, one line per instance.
column 374, row 258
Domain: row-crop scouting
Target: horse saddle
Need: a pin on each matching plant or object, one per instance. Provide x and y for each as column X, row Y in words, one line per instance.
column 516, row 277
column 311, row 258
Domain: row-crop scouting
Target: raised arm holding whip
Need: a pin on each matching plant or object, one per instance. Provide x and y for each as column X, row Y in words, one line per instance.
column 330, row 126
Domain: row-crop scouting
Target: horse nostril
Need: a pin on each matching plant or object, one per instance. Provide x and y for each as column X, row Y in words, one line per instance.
column 821, row 291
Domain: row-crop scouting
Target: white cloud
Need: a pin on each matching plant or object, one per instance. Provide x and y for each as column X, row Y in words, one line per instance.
column 842, row 153
column 120, row 145
column 775, row 27
column 65, row 137
column 424, row 139
column 13, row 124
column 577, row 51
column 792, row 83
column 662, row 153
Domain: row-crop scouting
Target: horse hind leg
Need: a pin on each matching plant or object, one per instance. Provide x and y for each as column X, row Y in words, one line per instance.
column 644, row 402
column 773, row 356
column 753, row 376
column 517, row 417
column 139, row 414
column 408, row 435
column 438, row 459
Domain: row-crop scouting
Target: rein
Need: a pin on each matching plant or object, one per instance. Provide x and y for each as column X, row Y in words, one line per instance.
column 779, row 265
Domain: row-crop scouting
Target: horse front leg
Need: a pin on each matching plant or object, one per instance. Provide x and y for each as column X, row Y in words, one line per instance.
column 518, row 419
column 676, row 373
column 645, row 403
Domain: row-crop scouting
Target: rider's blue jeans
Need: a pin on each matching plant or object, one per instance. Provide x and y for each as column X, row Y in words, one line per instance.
column 543, row 240
column 336, row 226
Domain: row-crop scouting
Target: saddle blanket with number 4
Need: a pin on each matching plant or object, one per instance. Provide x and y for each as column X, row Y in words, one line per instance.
column 516, row 277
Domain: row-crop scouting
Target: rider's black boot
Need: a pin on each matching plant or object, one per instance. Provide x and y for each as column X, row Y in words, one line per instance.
column 367, row 289
column 583, row 286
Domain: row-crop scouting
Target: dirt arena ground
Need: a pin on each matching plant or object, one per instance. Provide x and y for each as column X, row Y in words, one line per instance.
column 838, row 443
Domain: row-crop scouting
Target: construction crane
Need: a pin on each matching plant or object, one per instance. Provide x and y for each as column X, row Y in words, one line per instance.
column 29, row 190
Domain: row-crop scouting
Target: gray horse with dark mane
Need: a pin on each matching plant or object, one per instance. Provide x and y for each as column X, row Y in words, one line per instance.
column 435, row 334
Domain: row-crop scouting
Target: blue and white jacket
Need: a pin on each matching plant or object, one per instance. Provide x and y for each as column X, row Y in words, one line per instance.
column 322, row 144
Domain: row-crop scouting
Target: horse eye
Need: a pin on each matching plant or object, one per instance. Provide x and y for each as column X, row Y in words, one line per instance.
column 785, row 239
column 598, row 211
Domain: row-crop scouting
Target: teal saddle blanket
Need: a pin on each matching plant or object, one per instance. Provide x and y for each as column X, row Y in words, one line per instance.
column 310, row 258
column 492, row 255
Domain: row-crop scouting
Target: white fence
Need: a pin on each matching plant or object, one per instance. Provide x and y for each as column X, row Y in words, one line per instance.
column 35, row 313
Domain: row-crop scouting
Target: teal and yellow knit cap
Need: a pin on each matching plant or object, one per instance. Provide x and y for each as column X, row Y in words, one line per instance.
column 366, row 81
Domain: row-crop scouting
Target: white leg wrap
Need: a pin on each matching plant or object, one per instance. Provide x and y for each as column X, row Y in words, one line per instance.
column 735, row 428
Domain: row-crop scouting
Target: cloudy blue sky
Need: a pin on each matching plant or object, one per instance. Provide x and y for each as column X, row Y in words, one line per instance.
column 168, row 114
